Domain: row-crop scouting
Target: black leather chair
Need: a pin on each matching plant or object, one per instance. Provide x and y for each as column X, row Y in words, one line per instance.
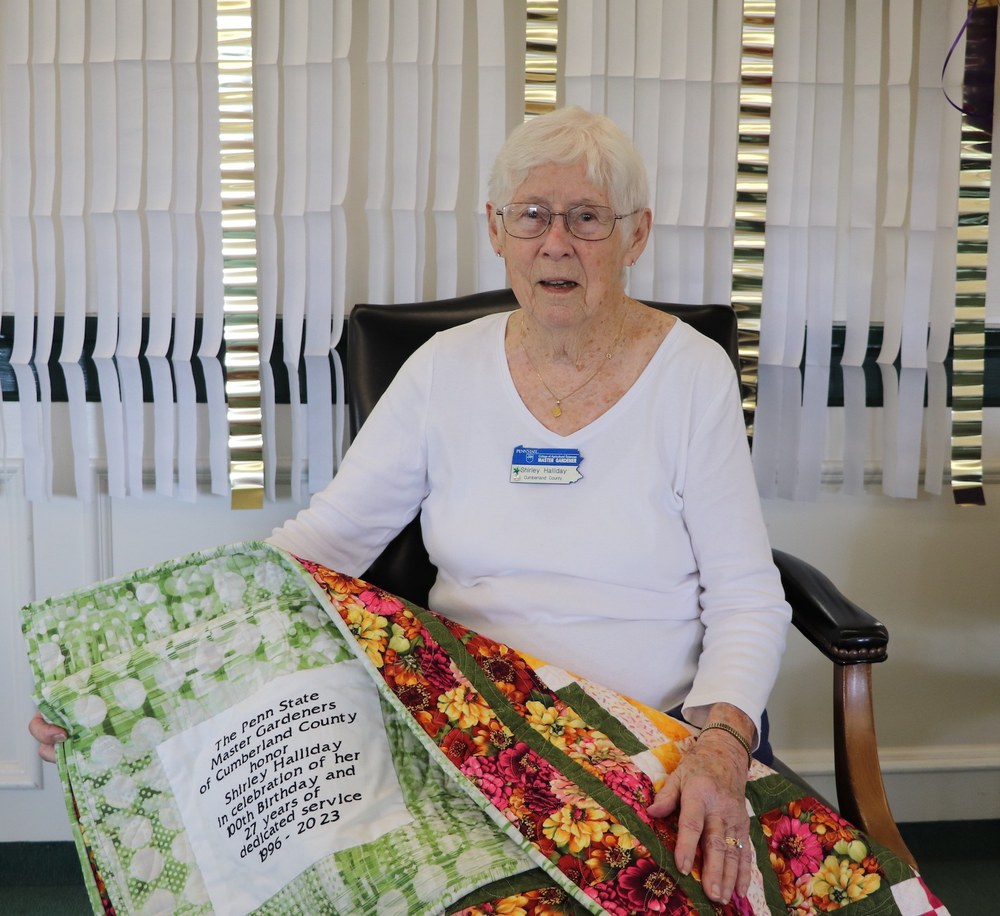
column 381, row 337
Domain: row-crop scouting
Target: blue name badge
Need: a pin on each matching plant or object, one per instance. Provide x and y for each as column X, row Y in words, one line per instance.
column 545, row 465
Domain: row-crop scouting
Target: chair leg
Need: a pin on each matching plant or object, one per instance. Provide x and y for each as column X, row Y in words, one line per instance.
column 860, row 789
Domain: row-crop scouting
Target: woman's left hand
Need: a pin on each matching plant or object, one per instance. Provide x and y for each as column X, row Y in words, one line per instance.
column 709, row 785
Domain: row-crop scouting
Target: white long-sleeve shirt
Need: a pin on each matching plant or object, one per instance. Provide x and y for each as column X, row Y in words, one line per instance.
column 651, row 574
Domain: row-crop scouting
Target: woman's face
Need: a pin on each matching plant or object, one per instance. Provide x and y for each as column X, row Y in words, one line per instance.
column 560, row 280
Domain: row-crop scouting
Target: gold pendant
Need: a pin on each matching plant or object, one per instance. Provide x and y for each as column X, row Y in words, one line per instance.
column 557, row 411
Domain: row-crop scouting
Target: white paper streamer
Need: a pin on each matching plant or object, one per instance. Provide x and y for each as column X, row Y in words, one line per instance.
column 777, row 425
column 298, row 430
column 43, row 139
column 916, row 302
column 159, row 131
column 319, row 283
column 340, row 430
column 859, row 289
column 812, row 441
column 114, row 428
column 79, row 424
column 102, row 41
column 211, row 287
column 130, row 378
column 187, row 430
column 319, row 422
column 294, row 117
column 15, row 36
column 446, row 236
column 783, row 312
column 909, row 433
column 937, row 428
column 111, row 99
column 185, row 292
column 18, row 279
column 46, row 286
column 104, row 235
column 855, row 439
column 164, row 424
column 822, row 241
column 77, row 272
column 342, row 240
column 267, row 281
column 767, row 430
column 130, row 295
column 293, row 293
column 37, row 459
column 15, row 118
column 269, row 430
column 218, row 425
column 893, row 262
column 129, row 31
column 893, row 477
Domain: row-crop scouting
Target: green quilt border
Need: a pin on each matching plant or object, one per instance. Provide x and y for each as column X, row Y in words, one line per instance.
column 597, row 790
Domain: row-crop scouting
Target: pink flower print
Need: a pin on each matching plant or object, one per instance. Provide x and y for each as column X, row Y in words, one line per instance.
column 797, row 845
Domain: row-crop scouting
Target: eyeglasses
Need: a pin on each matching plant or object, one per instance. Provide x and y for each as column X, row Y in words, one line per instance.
column 587, row 222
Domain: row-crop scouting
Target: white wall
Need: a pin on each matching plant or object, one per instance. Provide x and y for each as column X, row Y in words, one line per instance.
column 930, row 571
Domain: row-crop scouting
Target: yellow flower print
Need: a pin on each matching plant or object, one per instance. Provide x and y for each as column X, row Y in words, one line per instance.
column 550, row 725
column 516, row 905
column 840, row 882
column 855, row 849
column 370, row 629
column 622, row 837
column 463, row 706
column 576, row 826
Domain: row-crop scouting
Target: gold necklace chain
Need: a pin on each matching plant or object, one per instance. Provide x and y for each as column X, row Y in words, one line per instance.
column 557, row 410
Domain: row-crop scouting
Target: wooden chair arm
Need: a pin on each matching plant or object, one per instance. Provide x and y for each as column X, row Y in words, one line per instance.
column 860, row 789
column 853, row 640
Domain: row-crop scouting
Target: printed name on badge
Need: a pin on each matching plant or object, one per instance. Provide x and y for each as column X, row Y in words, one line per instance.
column 545, row 465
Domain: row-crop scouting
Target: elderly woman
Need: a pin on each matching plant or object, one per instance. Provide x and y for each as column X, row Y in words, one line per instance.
column 646, row 566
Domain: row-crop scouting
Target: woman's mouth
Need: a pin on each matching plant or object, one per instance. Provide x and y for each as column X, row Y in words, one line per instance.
column 559, row 284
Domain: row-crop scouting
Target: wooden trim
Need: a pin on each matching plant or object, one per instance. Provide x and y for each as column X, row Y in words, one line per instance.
column 860, row 789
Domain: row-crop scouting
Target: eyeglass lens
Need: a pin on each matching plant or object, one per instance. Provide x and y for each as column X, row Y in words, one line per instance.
column 528, row 221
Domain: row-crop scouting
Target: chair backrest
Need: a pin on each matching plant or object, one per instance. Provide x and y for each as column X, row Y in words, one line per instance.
column 381, row 337
column 379, row 340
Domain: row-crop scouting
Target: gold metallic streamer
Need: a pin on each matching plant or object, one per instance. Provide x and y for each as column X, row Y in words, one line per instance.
column 540, row 61
column 241, row 330
column 752, row 160
column 969, row 352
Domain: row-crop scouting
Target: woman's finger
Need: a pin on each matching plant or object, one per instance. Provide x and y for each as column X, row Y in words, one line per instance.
column 732, row 862
column 746, row 868
column 47, row 735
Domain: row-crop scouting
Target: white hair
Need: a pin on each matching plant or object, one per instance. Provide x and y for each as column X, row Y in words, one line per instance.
column 568, row 136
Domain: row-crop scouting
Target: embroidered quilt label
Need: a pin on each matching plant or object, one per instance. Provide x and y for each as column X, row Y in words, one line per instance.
column 298, row 770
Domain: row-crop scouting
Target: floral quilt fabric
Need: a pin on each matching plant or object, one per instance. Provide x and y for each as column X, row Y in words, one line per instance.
column 524, row 786
column 573, row 767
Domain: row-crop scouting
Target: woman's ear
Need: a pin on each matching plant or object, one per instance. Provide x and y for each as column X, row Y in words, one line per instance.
column 493, row 224
column 639, row 236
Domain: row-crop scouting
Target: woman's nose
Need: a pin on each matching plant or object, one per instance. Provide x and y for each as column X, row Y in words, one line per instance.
column 558, row 237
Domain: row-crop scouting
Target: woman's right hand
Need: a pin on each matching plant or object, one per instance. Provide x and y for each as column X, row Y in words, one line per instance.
column 47, row 735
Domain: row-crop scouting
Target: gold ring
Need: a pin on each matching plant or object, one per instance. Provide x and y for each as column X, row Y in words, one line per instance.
column 732, row 841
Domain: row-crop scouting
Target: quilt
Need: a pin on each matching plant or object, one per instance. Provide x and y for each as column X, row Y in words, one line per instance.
column 252, row 732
